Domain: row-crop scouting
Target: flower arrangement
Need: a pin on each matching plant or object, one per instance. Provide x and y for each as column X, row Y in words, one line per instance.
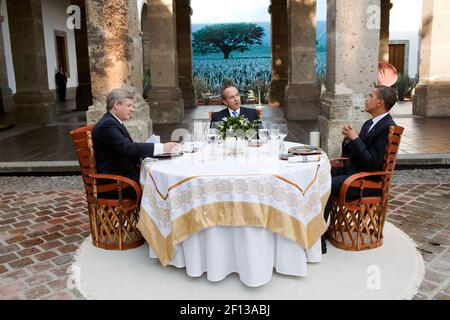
column 239, row 126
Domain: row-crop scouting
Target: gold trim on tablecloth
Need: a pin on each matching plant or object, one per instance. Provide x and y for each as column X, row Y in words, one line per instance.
column 164, row 197
column 230, row 214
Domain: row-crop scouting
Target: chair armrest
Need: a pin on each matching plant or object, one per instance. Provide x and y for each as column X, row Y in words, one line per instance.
column 121, row 181
column 338, row 162
column 357, row 180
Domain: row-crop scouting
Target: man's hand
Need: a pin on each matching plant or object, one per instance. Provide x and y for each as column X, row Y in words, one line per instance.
column 349, row 132
column 172, row 147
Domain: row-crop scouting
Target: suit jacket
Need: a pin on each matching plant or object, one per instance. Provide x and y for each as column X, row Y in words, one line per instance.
column 366, row 153
column 115, row 152
column 248, row 113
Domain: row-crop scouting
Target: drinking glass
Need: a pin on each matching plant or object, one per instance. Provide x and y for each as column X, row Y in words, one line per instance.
column 274, row 131
column 282, row 132
column 212, row 136
column 263, row 135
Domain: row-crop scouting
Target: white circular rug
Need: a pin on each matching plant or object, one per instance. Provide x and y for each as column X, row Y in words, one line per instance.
column 393, row 271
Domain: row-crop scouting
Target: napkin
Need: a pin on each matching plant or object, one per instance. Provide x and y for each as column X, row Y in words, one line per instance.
column 310, row 158
column 153, row 139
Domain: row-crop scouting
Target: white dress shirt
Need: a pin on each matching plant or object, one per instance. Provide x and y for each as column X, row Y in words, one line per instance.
column 376, row 119
column 158, row 147
column 231, row 112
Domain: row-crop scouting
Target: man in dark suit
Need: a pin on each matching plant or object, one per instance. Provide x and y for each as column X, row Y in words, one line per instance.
column 232, row 99
column 114, row 149
column 61, row 84
column 365, row 151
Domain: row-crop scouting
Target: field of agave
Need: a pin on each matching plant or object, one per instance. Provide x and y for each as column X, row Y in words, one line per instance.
column 211, row 75
column 212, row 72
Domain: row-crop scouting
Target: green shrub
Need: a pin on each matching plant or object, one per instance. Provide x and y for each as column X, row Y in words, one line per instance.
column 404, row 86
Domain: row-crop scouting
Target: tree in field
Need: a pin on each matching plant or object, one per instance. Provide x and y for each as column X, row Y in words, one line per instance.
column 227, row 37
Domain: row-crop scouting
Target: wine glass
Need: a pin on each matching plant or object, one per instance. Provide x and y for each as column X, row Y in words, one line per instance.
column 282, row 132
column 274, row 131
column 263, row 135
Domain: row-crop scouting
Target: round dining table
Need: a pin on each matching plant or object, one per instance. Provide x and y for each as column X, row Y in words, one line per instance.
column 220, row 211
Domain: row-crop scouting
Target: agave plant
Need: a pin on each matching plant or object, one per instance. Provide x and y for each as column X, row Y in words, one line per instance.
column 404, row 86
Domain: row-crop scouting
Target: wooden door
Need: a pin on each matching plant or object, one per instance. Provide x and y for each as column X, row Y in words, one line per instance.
column 397, row 57
column 61, row 52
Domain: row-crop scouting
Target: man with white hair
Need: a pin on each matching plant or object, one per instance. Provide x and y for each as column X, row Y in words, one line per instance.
column 115, row 151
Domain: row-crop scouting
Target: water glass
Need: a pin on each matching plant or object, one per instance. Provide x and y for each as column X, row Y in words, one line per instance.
column 263, row 135
column 282, row 131
column 274, row 131
column 212, row 136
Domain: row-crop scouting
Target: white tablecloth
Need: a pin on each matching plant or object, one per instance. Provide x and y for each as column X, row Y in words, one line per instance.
column 248, row 213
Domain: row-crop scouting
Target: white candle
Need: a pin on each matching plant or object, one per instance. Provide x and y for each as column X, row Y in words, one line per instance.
column 314, row 138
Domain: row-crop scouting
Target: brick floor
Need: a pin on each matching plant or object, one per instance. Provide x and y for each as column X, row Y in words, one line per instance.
column 38, row 239
column 34, row 261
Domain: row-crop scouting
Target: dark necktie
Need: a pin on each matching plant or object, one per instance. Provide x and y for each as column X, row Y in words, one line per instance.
column 365, row 130
column 126, row 132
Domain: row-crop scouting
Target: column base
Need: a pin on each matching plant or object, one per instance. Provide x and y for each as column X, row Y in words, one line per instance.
column 166, row 105
column 276, row 92
column 330, row 136
column 34, row 108
column 83, row 96
column 6, row 100
column 188, row 91
column 301, row 102
column 432, row 99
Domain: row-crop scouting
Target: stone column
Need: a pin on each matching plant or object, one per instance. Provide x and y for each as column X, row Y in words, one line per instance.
column 302, row 94
column 115, row 56
column 165, row 97
column 34, row 103
column 352, row 64
column 432, row 94
column 145, row 38
column 84, row 91
column 386, row 6
column 280, row 56
column 184, row 51
column 5, row 92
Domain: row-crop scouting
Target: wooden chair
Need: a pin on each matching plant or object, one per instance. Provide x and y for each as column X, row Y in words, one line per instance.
column 358, row 224
column 113, row 221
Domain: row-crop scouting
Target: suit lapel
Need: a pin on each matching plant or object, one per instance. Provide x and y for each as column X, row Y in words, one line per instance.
column 121, row 127
column 387, row 120
column 381, row 123
column 364, row 133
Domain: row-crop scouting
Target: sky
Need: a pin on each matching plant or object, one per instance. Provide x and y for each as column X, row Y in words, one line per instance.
column 218, row 11
column 215, row 11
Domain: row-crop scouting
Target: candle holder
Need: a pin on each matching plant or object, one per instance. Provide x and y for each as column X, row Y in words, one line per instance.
column 259, row 83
